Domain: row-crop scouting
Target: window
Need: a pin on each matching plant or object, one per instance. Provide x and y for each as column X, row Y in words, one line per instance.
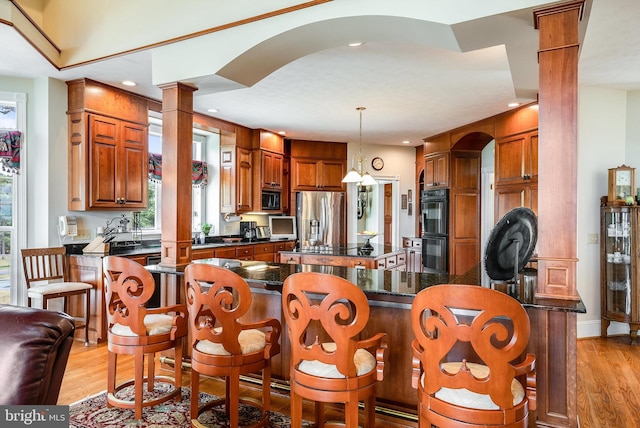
column 204, row 146
column 12, row 201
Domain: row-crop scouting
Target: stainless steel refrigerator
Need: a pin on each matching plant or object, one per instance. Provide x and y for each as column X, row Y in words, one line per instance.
column 321, row 218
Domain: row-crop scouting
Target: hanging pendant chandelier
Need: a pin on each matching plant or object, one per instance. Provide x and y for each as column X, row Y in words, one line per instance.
column 356, row 175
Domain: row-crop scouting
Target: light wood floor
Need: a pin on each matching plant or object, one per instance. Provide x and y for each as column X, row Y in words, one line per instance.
column 608, row 383
column 86, row 375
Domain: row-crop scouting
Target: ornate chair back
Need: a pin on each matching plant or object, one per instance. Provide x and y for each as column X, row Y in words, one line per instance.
column 469, row 362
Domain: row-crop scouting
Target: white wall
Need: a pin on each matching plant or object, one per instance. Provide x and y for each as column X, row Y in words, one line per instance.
column 400, row 165
column 602, row 116
column 632, row 154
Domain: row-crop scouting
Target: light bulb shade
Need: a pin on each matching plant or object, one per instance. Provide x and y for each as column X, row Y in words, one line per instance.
column 352, row 177
column 368, row 180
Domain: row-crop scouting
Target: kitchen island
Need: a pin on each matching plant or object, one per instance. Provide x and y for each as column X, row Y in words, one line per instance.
column 390, row 293
column 372, row 256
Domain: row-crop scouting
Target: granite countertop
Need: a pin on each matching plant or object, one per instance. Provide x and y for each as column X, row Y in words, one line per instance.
column 348, row 250
column 150, row 246
column 382, row 285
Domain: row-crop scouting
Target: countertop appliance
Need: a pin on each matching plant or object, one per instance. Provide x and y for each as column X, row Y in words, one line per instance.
column 263, row 232
column 321, row 218
column 248, row 230
column 434, row 205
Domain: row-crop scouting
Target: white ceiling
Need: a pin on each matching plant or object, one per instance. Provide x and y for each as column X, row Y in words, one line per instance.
column 410, row 90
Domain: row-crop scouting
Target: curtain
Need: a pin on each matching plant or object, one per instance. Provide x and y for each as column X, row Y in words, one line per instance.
column 10, row 151
column 199, row 171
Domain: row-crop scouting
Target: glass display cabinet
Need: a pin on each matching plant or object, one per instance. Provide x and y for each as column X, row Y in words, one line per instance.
column 619, row 271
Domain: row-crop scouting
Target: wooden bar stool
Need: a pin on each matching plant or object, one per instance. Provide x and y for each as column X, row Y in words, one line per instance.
column 137, row 330
column 469, row 364
column 223, row 345
column 325, row 315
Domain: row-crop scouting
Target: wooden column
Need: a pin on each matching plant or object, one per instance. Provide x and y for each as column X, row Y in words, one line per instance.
column 177, row 141
column 554, row 332
column 557, row 145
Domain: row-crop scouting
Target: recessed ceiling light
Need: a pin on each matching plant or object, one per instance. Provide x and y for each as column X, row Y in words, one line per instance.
column 212, row 110
column 406, row 142
column 355, row 44
column 513, row 104
column 282, row 133
column 129, row 83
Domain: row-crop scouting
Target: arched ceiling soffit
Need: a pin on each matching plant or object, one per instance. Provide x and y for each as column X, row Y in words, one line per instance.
column 266, row 57
column 255, row 60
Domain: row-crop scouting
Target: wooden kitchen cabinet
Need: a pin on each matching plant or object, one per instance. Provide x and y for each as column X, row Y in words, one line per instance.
column 514, row 196
column 89, row 269
column 271, row 170
column 436, row 170
column 312, row 174
column 236, row 179
column 390, row 261
column 225, row 253
column 317, row 165
column 269, row 160
column 516, row 176
column 108, row 148
column 516, row 159
column 118, row 169
column 264, row 251
column 202, row 253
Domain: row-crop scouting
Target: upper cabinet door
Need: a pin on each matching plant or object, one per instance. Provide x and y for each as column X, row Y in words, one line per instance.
column 332, row 172
column 118, row 167
column 272, row 167
column 311, row 174
column 436, row 170
column 244, row 180
column 517, row 158
column 304, row 174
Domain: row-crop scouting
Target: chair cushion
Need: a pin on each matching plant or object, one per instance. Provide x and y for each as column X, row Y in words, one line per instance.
column 364, row 360
column 250, row 341
column 38, row 291
column 465, row 398
column 154, row 323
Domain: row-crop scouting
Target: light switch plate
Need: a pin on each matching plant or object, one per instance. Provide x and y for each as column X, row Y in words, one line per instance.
column 592, row 238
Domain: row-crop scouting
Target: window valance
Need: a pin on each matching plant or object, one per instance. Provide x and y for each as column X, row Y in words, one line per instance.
column 10, row 151
column 199, row 172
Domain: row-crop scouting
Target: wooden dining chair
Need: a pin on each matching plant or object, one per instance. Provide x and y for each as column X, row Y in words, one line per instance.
column 136, row 330
column 224, row 343
column 45, row 272
column 325, row 316
column 470, row 366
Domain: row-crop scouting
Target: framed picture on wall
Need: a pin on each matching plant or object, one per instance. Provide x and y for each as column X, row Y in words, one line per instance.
column 410, row 195
column 410, row 209
column 403, row 203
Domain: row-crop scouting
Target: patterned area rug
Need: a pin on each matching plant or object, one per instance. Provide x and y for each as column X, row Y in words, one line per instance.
column 93, row 412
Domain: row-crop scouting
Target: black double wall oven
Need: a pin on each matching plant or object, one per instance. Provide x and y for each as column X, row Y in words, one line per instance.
column 434, row 204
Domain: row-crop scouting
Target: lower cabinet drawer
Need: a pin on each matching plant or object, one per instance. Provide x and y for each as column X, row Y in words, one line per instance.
column 225, row 253
column 264, row 249
column 288, row 258
column 263, row 257
column 244, row 252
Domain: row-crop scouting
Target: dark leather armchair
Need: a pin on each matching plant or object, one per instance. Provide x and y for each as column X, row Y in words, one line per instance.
column 34, row 349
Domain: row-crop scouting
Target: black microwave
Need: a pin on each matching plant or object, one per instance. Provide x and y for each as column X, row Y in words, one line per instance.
column 271, row 200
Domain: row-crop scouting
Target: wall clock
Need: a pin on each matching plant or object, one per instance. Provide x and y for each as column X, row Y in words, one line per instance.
column 377, row 163
column 621, row 183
